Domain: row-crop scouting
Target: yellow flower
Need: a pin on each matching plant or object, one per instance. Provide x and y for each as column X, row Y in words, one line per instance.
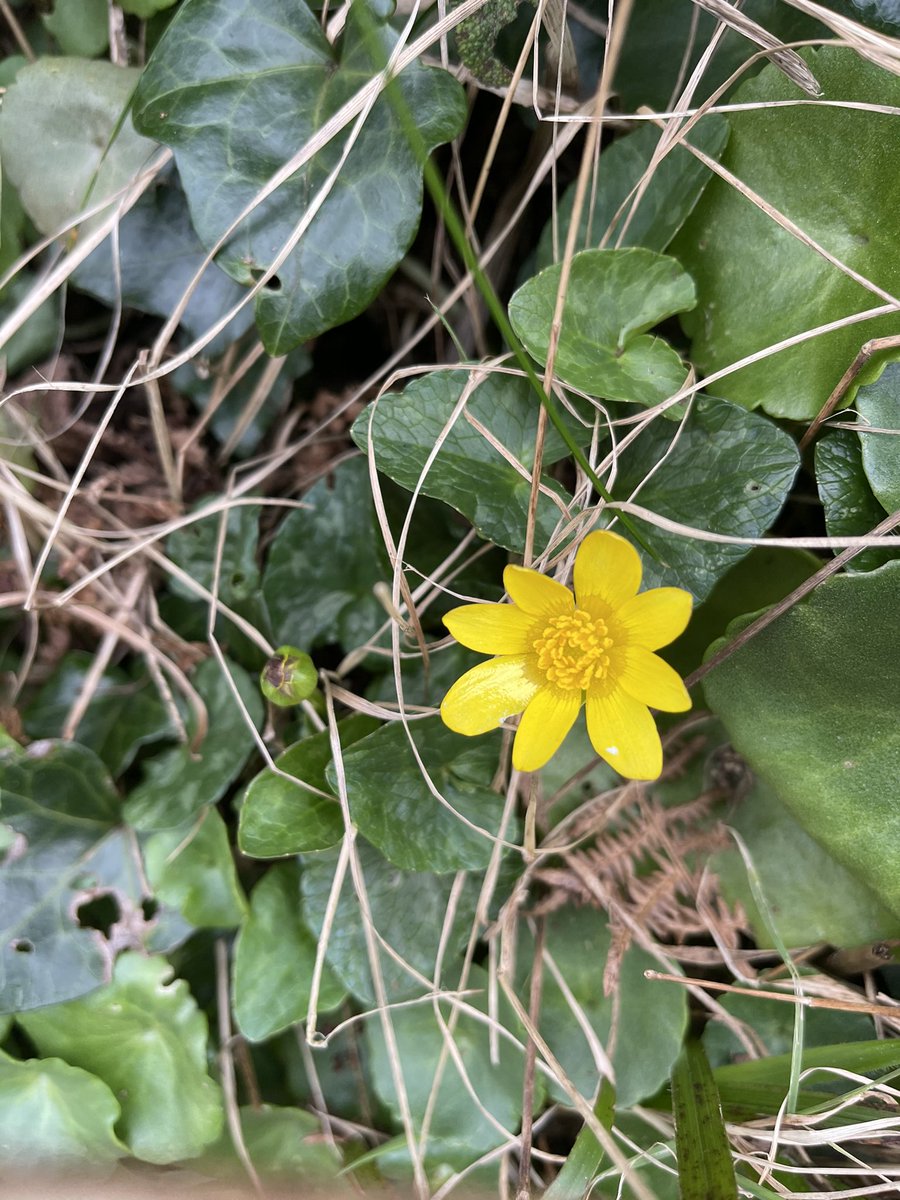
column 555, row 651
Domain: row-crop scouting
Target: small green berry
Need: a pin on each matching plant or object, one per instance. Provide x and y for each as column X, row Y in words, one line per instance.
column 288, row 677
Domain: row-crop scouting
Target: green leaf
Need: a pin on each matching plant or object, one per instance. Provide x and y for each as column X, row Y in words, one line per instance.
column 178, row 783
column 468, row 473
column 80, row 27
column 394, row 807
column 274, row 958
column 879, row 406
column 576, row 1176
column 650, row 1020
column 728, row 472
column 862, row 1058
column 63, row 1115
column 145, row 9
column 125, row 714
column 851, row 509
column 458, row 1132
column 613, row 298
column 192, row 869
column 673, row 189
column 705, row 1167
column 234, row 121
column 60, row 139
column 279, row 817
column 791, row 865
column 324, row 562
column 195, row 548
column 812, row 704
column 282, row 1143
column 407, row 911
column 147, row 1040
column 756, row 283
column 61, row 803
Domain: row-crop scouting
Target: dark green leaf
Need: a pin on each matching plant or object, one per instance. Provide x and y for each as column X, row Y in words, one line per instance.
column 705, row 1168
column 468, row 473
column 756, row 282
column 812, row 704
column 674, row 188
column 274, row 959
column 178, row 783
column 195, row 549
column 851, row 509
column 80, row 27
column 191, row 869
column 279, row 817
column 394, row 806
column 879, row 406
column 146, row 1039
column 234, row 119
column 613, row 298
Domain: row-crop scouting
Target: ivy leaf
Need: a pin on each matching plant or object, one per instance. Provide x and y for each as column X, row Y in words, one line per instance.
column 177, row 783
column 851, row 509
column 274, row 959
column 191, row 868
column 756, row 283
column 65, row 1116
column 234, row 118
column 145, row 1037
column 279, row 817
column 812, row 704
column 60, row 138
column 395, row 809
column 407, row 908
column 613, row 298
column 674, row 188
column 728, row 471
column 879, row 406
column 468, row 473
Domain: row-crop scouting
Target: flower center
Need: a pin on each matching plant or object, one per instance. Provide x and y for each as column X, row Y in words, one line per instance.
column 573, row 650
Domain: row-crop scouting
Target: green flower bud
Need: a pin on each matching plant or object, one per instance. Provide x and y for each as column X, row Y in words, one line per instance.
column 288, row 677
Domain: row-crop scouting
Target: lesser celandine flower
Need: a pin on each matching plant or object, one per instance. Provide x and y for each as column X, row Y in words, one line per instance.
column 556, row 651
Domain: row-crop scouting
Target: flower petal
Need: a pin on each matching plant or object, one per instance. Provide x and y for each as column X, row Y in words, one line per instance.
column 623, row 732
column 491, row 628
column 484, row 696
column 606, row 567
column 547, row 720
column 645, row 677
column 537, row 594
column 657, row 617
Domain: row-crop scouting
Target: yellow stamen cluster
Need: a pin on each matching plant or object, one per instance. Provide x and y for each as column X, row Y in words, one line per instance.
column 573, row 650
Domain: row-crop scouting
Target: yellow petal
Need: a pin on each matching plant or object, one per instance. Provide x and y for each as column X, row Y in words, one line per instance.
column 547, row 720
column 491, row 628
column 608, row 568
column 537, row 594
column 490, row 692
column 645, row 677
column 623, row 732
column 657, row 617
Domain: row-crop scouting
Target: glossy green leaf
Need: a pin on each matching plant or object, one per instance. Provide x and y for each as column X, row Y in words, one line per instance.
column 394, row 807
column 324, row 562
column 651, row 1020
column 80, row 27
column 234, row 121
column 705, row 1167
column 674, row 188
column 56, row 1115
column 756, row 283
column 728, row 472
column 468, row 473
column 59, row 138
column 274, row 959
column 178, row 783
column 458, row 1131
column 279, row 817
column 408, row 911
column 145, row 1037
column 125, row 714
column 191, row 868
column 851, row 509
column 791, row 865
column 812, row 704
column 878, row 405
column 613, row 298
column 283, row 1143
column 195, row 548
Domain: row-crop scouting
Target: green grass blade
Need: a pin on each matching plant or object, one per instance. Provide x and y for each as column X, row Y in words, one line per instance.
column 705, row 1168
